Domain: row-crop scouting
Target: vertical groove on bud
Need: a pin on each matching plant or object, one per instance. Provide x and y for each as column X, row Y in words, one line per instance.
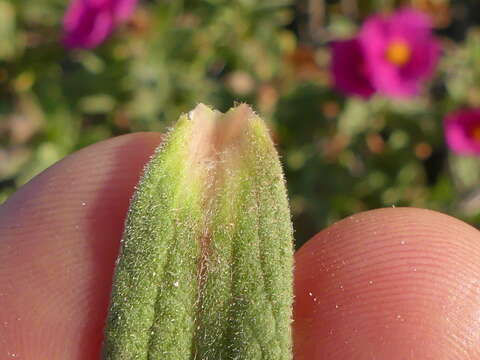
column 205, row 270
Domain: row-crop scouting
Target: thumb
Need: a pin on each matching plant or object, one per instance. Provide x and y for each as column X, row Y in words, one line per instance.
column 59, row 237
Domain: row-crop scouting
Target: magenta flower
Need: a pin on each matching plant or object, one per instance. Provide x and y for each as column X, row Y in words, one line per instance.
column 87, row 23
column 391, row 55
column 400, row 51
column 462, row 131
column 349, row 69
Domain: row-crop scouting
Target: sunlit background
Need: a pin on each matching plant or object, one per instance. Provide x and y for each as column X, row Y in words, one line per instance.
column 64, row 84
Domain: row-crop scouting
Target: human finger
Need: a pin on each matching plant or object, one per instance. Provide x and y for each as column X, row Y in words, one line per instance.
column 59, row 238
column 389, row 284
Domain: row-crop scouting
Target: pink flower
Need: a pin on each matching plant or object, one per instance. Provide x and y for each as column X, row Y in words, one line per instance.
column 349, row 69
column 462, row 131
column 391, row 55
column 400, row 51
column 87, row 23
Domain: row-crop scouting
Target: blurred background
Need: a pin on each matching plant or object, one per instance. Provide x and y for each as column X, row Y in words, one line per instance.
column 342, row 154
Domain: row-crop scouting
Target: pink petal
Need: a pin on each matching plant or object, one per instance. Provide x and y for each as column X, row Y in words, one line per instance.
column 458, row 131
column 413, row 27
column 124, row 9
column 348, row 69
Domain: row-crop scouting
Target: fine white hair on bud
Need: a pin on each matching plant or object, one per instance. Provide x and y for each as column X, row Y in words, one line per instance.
column 205, row 268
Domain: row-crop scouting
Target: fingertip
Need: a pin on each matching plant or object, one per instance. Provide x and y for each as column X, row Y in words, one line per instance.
column 120, row 157
column 59, row 240
column 391, row 284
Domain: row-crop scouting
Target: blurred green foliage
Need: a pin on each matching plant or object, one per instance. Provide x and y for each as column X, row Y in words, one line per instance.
column 341, row 155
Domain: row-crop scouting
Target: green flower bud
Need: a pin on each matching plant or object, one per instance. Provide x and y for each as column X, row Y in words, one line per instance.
column 205, row 270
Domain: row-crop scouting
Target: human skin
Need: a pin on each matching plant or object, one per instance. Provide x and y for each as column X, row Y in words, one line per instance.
column 385, row 284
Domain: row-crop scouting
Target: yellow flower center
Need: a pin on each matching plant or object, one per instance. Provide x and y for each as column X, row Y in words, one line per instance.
column 476, row 133
column 399, row 52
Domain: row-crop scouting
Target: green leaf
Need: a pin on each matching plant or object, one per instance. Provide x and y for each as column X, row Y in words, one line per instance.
column 7, row 30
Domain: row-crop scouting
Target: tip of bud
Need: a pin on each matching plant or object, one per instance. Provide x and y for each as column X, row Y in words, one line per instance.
column 213, row 131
